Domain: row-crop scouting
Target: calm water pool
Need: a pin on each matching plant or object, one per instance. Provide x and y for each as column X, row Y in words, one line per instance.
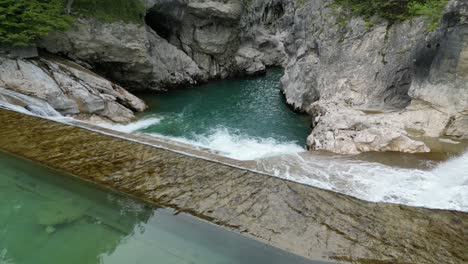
column 49, row 217
column 242, row 118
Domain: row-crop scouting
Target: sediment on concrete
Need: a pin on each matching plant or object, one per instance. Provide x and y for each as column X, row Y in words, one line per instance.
column 311, row 222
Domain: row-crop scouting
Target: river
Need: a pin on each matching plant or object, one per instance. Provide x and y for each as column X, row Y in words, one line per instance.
column 248, row 119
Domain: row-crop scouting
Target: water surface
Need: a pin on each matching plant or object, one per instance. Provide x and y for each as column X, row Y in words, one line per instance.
column 49, row 217
column 248, row 119
column 242, row 118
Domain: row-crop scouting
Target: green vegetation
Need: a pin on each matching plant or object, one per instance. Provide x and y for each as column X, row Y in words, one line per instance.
column 396, row 10
column 22, row 22
column 300, row 3
column 432, row 10
column 129, row 11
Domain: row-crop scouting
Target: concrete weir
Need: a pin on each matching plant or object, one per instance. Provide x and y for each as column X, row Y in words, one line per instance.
column 314, row 223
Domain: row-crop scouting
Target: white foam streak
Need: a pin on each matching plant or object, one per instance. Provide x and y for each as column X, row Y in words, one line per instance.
column 132, row 127
column 240, row 147
column 445, row 187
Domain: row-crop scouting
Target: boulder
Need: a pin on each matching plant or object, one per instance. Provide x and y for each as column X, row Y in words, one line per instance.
column 69, row 88
column 132, row 54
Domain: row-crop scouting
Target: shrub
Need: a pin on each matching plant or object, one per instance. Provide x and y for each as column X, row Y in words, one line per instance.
column 432, row 10
column 396, row 10
column 22, row 22
column 129, row 11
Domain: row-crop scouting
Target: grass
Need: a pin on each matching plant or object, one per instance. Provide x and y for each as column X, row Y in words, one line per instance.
column 395, row 10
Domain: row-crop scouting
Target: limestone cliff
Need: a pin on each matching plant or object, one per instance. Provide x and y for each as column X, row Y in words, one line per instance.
column 379, row 87
column 183, row 42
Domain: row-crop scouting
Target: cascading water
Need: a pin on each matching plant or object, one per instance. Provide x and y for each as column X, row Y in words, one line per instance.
column 26, row 104
column 443, row 187
column 241, row 119
column 248, row 120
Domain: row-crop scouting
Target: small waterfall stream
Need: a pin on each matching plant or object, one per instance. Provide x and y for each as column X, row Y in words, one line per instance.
column 264, row 134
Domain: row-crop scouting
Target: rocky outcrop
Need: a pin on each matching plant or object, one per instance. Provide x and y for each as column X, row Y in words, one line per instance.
column 183, row 42
column 377, row 88
column 207, row 31
column 224, row 38
column 132, row 54
column 67, row 87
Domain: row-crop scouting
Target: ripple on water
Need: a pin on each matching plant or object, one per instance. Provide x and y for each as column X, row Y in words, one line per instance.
column 249, row 120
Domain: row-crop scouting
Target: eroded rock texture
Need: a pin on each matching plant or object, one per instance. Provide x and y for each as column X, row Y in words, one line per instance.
column 311, row 222
column 182, row 42
column 369, row 88
column 132, row 54
column 377, row 88
column 66, row 87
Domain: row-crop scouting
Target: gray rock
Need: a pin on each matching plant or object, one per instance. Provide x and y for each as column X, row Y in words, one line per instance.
column 183, row 43
column 250, row 60
column 132, row 54
column 19, row 52
column 458, row 127
column 415, row 80
column 68, row 88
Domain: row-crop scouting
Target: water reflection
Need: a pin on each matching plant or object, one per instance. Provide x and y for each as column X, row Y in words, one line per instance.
column 49, row 217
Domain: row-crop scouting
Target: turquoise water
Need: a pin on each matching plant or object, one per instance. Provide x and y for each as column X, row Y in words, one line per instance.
column 47, row 217
column 248, row 119
column 245, row 118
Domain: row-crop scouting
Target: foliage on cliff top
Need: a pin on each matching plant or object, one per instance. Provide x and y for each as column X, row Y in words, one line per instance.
column 129, row 11
column 22, row 22
column 396, row 10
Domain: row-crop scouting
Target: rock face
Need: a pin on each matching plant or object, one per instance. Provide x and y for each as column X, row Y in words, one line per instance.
column 183, row 42
column 132, row 54
column 369, row 88
column 67, row 87
column 378, row 88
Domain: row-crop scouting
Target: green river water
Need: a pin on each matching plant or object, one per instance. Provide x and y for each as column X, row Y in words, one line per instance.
column 48, row 217
column 242, row 118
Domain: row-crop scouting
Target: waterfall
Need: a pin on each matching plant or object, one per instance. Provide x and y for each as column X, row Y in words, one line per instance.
column 26, row 104
column 443, row 187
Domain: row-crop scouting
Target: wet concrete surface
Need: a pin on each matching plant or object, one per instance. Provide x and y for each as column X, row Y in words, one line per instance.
column 311, row 222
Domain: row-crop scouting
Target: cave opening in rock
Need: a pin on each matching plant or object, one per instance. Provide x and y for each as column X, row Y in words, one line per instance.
column 163, row 25
column 272, row 13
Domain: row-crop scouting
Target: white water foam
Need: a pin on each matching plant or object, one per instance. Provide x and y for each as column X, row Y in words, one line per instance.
column 221, row 140
column 240, row 147
column 132, row 127
column 444, row 187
